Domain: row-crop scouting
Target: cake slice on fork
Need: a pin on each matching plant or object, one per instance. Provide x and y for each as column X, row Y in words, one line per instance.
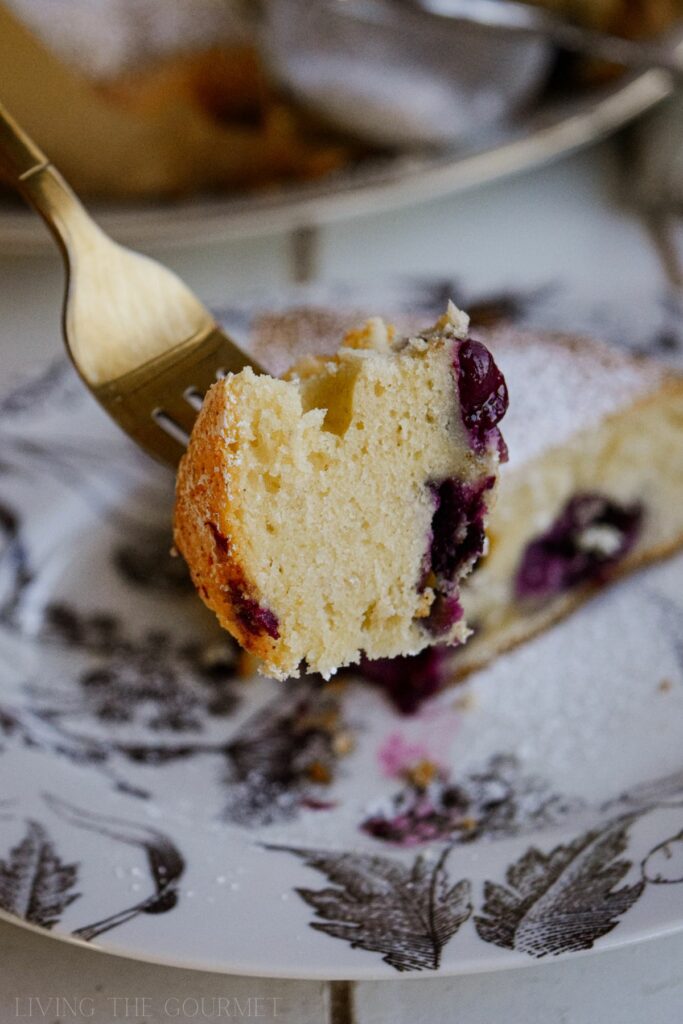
column 334, row 513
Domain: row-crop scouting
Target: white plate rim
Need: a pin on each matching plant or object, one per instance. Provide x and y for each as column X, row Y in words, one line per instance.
column 397, row 183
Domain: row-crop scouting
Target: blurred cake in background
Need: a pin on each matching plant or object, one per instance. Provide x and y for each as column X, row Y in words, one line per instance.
column 154, row 98
column 150, row 99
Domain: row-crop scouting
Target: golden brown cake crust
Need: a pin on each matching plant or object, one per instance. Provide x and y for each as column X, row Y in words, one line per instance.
column 209, row 544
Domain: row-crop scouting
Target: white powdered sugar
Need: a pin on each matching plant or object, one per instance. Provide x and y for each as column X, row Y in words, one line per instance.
column 559, row 386
column 583, row 704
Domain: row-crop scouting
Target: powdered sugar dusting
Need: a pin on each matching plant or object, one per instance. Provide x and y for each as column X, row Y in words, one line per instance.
column 580, row 705
column 562, row 385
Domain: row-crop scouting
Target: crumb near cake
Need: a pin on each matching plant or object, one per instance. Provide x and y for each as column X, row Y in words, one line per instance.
column 331, row 514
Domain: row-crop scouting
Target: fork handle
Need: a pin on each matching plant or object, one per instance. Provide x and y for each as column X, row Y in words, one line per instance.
column 20, row 155
column 28, row 169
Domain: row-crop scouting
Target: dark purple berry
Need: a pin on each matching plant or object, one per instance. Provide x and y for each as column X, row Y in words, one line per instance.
column 456, row 540
column 482, row 389
column 221, row 542
column 409, row 681
column 255, row 619
column 443, row 615
column 590, row 535
column 457, row 525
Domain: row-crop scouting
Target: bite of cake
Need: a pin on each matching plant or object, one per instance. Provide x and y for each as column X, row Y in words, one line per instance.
column 333, row 513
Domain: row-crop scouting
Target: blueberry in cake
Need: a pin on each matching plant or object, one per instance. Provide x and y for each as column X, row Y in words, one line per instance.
column 333, row 513
column 590, row 535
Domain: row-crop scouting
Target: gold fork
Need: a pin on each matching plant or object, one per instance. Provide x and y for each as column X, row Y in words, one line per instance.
column 144, row 345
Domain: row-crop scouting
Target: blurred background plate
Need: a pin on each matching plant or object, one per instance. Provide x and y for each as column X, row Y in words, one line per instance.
column 555, row 128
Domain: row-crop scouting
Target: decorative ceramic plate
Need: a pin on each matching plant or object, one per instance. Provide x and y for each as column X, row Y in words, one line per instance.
column 157, row 804
column 555, row 128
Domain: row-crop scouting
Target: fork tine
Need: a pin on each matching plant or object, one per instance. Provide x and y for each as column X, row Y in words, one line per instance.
column 194, row 398
column 157, row 403
column 172, row 427
column 178, row 411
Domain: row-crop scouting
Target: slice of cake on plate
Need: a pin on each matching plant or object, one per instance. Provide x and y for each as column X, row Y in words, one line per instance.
column 593, row 488
column 334, row 513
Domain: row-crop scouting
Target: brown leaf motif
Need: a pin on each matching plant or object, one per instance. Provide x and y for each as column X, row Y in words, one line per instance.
column 34, row 884
column 564, row 900
column 406, row 912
